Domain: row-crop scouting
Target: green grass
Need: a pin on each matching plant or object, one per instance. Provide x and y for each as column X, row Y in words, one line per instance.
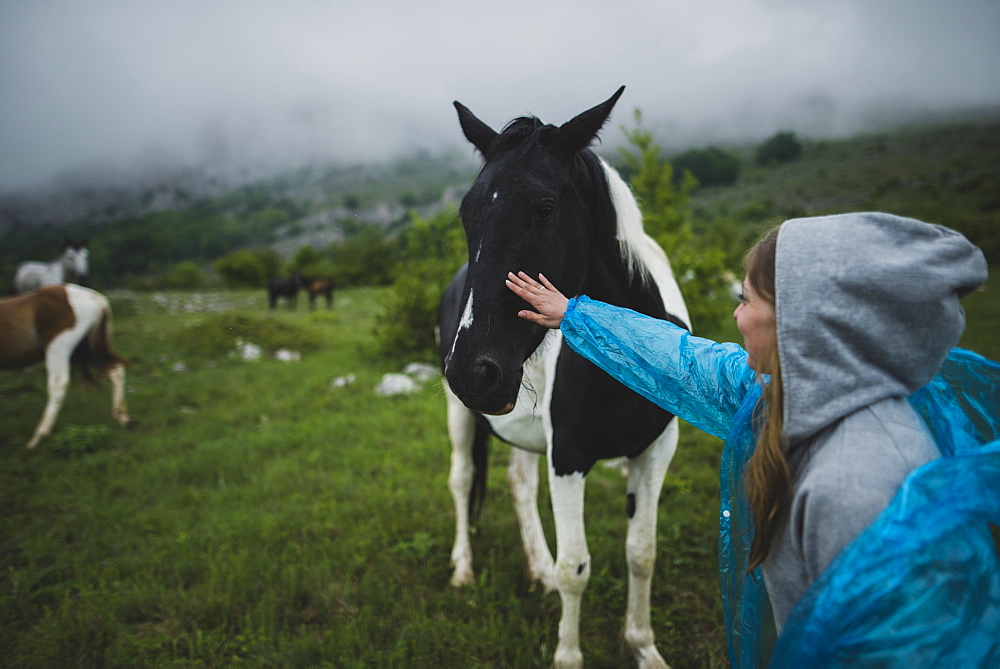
column 256, row 514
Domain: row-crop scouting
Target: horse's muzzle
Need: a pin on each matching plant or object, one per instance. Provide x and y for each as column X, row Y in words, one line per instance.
column 481, row 386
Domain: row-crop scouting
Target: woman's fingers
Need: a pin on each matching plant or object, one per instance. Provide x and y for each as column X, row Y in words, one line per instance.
column 545, row 298
column 546, row 283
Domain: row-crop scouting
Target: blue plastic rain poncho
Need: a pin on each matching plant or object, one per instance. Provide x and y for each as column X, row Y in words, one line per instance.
column 924, row 581
column 882, row 539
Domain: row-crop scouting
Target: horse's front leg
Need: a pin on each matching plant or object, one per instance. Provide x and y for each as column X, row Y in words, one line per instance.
column 522, row 475
column 57, row 379
column 461, row 431
column 119, row 411
column 572, row 561
column 645, row 481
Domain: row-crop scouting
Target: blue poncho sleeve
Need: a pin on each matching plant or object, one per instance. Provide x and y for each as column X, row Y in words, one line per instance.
column 699, row 380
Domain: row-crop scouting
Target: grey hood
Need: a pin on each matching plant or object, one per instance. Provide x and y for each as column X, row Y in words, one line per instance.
column 867, row 307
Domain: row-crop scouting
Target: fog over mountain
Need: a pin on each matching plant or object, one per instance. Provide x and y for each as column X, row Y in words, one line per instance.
column 129, row 87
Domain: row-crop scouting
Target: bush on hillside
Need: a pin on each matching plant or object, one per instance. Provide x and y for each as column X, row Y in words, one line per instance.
column 781, row 148
column 241, row 269
column 710, row 166
column 185, row 276
column 430, row 252
column 366, row 258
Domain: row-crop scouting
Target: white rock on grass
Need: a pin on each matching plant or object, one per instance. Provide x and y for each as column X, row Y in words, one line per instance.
column 413, row 377
column 343, row 381
column 396, row 384
column 421, row 371
column 285, row 355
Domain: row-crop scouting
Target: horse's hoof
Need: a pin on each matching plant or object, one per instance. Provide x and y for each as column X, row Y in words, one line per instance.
column 130, row 424
column 461, row 578
column 568, row 659
column 650, row 658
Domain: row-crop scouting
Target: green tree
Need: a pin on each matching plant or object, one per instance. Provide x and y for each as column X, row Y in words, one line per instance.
column 185, row 276
column 241, row 269
column 783, row 147
column 366, row 258
column 711, row 166
column 699, row 267
column 430, row 252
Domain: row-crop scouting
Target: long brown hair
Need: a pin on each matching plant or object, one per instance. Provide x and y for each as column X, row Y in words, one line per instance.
column 767, row 479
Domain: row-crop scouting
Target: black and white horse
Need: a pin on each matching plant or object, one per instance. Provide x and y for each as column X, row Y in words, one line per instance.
column 71, row 267
column 543, row 202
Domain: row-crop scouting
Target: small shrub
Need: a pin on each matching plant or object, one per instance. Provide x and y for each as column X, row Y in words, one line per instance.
column 241, row 269
column 430, row 251
column 781, row 148
column 185, row 276
column 711, row 166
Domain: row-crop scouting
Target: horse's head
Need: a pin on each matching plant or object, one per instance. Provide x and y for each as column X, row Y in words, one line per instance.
column 533, row 207
column 75, row 260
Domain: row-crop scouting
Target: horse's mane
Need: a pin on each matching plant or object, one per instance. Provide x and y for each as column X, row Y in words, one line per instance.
column 523, row 133
column 637, row 248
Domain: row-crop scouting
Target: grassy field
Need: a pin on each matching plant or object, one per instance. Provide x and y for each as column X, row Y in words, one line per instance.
column 257, row 514
column 260, row 514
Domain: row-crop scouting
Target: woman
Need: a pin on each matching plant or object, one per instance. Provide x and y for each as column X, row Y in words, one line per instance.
column 843, row 318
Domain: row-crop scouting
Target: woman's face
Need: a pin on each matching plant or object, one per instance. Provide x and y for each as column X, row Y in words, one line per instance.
column 755, row 320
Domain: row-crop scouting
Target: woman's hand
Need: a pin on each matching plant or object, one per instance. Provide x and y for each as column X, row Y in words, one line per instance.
column 546, row 298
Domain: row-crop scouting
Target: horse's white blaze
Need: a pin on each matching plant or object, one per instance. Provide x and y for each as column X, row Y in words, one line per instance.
column 464, row 324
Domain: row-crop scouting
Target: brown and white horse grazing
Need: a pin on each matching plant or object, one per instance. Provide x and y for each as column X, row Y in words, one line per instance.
column 61, row 324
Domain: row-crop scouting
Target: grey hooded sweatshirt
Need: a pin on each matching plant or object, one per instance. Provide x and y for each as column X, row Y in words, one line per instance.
column 867, row 307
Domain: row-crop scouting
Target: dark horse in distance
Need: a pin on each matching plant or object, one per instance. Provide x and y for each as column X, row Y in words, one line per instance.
column 319, row 287
column 544, row 202
column 284, row 288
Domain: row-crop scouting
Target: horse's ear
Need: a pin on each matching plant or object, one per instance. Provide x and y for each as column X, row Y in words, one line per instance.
column 477, row 132
column 577, row 133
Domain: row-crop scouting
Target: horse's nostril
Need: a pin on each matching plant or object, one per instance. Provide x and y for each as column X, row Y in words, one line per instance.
column 488, row 374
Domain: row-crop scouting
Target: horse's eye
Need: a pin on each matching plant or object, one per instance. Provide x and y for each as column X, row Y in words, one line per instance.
column 544, row 210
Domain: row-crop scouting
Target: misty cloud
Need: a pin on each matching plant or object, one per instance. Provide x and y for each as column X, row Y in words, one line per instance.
column 108, row 82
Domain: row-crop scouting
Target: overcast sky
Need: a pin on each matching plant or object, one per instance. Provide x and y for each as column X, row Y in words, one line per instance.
column 90, row 82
